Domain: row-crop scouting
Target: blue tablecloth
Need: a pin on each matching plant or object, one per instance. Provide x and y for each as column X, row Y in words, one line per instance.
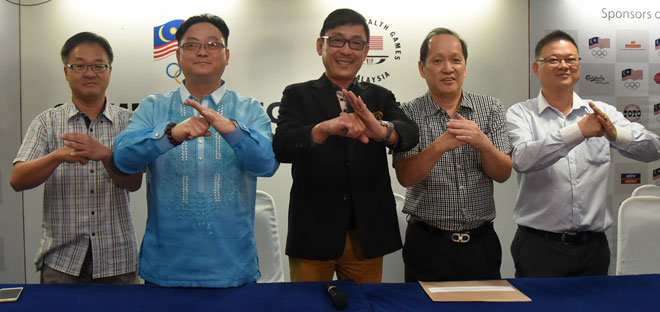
column 602, row 293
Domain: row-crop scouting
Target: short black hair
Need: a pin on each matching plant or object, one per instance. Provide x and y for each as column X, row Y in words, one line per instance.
column 341, row 17
column 83, row 37
column 424, row 49
column 214, row 20
column 552, row 36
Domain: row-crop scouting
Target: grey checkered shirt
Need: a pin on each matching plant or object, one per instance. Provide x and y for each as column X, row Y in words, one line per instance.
column 457, row 194
column 81, row 203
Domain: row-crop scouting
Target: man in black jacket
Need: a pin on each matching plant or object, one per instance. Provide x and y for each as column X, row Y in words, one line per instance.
column 335, row 131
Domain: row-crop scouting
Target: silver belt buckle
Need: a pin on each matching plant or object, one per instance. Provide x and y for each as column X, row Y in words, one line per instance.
column 460, row 237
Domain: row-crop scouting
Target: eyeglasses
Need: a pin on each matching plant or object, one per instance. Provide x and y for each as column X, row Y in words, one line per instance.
column 554, row 61
column 212, row 46
column 81, row 68
column 338, row 42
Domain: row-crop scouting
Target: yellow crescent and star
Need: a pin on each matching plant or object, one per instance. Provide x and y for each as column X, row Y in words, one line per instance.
column 160, row 35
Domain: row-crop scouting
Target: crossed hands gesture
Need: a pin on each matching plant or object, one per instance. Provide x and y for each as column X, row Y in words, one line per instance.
column 195, row 126
column 461, row 131
column 597, row 124
column 80, row 147
column 359, row 124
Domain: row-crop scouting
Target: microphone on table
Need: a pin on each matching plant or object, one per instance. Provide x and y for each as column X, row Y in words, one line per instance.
column 337, row 296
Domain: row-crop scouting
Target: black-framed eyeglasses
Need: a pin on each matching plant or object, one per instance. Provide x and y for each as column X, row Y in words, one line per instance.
column 213, row 46
column 81, row 68
column 338, row 42
column 554, row 61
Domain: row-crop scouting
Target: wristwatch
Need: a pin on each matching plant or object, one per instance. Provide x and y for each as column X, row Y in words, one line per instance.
column 390, row 129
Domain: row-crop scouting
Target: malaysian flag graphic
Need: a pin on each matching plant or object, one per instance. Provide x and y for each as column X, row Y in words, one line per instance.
column 165, row 43
column 631, row 74
column 657, row 44
column 601, row 43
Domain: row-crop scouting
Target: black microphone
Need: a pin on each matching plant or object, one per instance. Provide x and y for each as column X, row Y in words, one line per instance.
column 337, row 296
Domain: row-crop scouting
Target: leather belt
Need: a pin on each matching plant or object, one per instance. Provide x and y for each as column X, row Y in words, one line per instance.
column 567, row 238
column 454, row 236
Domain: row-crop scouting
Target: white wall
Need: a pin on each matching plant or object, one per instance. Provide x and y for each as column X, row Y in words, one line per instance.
column 11, row 214
column 272, row 45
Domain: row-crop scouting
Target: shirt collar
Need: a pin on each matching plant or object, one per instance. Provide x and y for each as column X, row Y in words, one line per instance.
column 431, row 108
column 108, row 110
column 543, row 104
column 215, row 96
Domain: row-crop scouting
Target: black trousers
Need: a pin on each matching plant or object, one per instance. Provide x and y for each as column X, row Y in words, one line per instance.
column 539, row 253
column 429, row 254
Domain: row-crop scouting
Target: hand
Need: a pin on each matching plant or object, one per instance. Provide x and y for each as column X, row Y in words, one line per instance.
column 373, row 128
column 605, row 122
column 469, row 132
column 64, row 155
column 219, row 122
column 590, row 126
column 86, row 146
column 346, row 125
column 191, row 129
column 447, row 142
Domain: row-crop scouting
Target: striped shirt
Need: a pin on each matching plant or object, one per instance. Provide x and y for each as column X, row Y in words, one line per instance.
column 457, row 194
column 81, row 203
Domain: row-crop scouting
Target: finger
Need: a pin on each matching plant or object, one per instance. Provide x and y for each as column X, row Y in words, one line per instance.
column 352, row 100
column 192, row 104
column 597, row 110
column 72, row 136
column 364, row 139
column 459, row 117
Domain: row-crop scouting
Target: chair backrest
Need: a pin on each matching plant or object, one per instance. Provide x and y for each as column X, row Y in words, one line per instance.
column 268, row 239
column 638, row 237
column 393, row 270
column 646, row 190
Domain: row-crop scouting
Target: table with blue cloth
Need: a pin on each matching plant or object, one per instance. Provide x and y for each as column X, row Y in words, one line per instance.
column 599, row 293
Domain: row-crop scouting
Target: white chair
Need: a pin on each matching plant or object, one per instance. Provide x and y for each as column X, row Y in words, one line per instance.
column 393, row 263
column 268, row 239
column 638, row 237
column 646, row 190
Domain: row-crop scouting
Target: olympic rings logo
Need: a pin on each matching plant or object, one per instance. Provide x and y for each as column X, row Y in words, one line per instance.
column 599, row 53
column 176, row 74
column 631, row 84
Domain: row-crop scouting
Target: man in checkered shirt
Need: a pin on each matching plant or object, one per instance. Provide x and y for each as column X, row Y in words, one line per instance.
column 88, row 234
column 463, row 146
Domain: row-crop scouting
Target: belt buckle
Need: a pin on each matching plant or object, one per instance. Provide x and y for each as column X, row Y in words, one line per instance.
column 460, row 237
column 568, row 237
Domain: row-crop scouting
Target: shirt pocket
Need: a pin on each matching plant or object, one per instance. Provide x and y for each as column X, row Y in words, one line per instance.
column 596, row 150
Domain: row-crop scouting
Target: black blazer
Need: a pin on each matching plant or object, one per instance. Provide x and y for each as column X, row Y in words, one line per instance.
column 328, row 178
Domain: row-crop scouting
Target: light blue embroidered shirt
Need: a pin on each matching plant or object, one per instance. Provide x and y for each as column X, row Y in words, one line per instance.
column 200, row 194
column 562, row 176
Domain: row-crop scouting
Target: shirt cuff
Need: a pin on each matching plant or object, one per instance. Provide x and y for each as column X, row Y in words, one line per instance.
column 237, row 135
column 571, row 135
column 158, row 134
column 623, row 138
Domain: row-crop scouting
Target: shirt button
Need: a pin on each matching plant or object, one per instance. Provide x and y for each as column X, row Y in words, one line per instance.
column 91, row 171
column 93, row 234
column 200, row 158
column 92, row 212
column 345, row 197
column 200, row 141
column 92, row 191
column 157, row 134
column 91, row 130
